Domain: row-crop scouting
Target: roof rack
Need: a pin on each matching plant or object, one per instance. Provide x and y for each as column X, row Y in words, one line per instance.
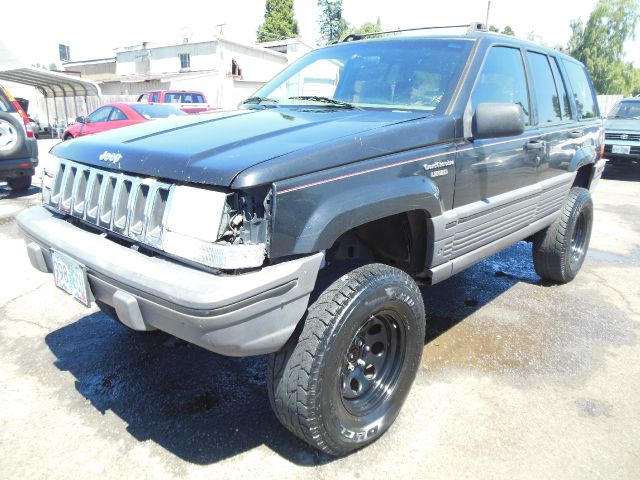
column 472, row 27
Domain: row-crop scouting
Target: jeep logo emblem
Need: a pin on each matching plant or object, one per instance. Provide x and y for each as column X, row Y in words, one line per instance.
column 624, row 136
column 110, row 157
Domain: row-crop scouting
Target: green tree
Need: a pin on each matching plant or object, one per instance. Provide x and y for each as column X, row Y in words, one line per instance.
column 332, row 24
column 367, row 27
column 508, row 31
column 599, row 44
column 279, row 21
column 493, row 28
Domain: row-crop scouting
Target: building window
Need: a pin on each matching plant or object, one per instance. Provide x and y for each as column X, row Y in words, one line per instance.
column 185, row 61
column 236, row 71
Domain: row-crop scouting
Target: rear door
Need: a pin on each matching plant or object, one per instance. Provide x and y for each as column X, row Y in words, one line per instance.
column 587, row 125
column 552, row 113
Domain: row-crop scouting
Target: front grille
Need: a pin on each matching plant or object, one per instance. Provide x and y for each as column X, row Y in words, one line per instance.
column 632, row 137
column 128, row 205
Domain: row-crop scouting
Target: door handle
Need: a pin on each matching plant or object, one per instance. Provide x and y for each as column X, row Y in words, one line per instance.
column 576, row 133
column 534, row 145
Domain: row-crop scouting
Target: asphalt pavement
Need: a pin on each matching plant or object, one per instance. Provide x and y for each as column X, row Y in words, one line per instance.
column 519, row 379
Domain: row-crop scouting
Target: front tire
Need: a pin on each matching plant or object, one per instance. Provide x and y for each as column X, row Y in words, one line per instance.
column 339, row 382
column 560, row 249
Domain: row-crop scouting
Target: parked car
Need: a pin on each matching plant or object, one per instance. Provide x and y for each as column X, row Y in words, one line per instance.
column 18, row 145
column 118, row 115
column 622, row 138
column 189, row 101
column 300, row 225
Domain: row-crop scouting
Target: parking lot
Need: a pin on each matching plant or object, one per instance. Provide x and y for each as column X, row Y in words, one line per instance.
column 519, row 379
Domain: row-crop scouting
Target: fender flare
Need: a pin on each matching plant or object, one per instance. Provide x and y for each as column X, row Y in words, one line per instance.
column 338, row 211
column 584, row 156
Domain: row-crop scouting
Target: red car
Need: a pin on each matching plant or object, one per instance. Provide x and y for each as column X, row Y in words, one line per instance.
column 118, row 115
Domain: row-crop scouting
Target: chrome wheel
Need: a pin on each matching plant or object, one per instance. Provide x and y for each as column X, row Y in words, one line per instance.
column 372, row 363
column 8, row 136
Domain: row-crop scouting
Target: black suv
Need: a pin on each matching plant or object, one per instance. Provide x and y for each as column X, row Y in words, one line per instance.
column 18, row 145
column 300, row 224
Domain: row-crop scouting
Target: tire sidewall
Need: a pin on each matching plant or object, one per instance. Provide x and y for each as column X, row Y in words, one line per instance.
column 584, row 205
column 345, row 430
column 20, row 143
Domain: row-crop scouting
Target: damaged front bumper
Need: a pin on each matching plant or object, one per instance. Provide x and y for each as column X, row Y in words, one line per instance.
column 236, row 315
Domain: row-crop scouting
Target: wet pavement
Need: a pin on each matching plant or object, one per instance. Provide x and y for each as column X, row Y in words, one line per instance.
column 519, row 379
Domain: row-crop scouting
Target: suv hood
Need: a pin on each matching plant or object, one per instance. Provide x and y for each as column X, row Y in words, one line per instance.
column 622, row 124
column 214, row 148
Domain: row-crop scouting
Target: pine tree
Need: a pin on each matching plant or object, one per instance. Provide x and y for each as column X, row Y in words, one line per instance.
column 332, row 25
column 279, row 21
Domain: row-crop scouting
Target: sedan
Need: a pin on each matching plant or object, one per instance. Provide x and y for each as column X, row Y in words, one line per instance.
column 118, row 115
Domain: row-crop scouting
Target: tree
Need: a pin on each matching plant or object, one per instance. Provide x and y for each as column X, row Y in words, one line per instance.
column 332, row 25
column 508, row 31
column 279, row 21
column 505, row 31
column 599, row 44
column 367, row 27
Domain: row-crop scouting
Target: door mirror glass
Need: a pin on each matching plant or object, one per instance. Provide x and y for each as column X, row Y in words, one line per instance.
column 498, row 120
column 80, row 120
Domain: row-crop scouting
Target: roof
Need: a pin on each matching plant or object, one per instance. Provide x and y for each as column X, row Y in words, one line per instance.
column 93, row 61
column 210, row 39
column 50, row 84
column 472, row 36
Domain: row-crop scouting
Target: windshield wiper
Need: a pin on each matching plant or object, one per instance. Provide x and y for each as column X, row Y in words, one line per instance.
column 259, row 101
column 319, row 99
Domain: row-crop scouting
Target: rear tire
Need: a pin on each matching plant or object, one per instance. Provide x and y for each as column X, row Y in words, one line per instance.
column 20, row 184
column 560, row 249
column 339, row 382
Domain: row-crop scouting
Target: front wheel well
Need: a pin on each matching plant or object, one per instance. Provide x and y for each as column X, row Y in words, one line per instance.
column 583, row 176
column 398, row 240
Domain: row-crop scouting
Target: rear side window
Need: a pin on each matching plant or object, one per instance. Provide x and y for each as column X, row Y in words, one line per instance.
column 582, row 93
column 144, row 97
column 502, row 80
column 547, row 100
column 565, row 107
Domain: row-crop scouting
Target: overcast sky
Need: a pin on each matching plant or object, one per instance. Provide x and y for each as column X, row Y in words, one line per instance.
column 93, row 29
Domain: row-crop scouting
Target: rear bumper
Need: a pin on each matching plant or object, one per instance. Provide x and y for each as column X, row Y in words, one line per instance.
column 18, row 167
column 236, row 315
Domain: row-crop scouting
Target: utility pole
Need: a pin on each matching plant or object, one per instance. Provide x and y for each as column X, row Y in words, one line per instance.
column 488, row 8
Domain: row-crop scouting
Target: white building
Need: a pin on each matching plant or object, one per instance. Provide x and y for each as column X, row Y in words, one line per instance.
column 226, row 71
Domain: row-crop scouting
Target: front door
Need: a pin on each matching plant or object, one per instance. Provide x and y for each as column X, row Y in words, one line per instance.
column 489, row 167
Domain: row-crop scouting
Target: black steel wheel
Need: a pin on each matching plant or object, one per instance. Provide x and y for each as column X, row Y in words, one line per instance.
column 341, row 379
column 560, row 249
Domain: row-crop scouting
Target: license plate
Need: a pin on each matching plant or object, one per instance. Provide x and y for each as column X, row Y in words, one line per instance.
column 624, row 149
column 71, row 277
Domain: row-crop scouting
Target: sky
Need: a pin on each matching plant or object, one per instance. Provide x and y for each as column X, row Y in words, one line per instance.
column 93, row 32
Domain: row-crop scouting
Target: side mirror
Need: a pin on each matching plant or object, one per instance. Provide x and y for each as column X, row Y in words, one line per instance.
column 81, row 120
column 498, row 120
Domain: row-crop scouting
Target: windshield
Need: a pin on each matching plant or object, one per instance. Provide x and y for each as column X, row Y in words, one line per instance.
column 414, row 74
column 157, row 111
column 627, row 110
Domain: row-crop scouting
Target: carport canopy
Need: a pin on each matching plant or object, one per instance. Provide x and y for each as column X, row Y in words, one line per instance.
column 51, row 84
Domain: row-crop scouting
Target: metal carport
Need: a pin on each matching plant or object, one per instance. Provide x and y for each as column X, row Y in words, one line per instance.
column 53, row 85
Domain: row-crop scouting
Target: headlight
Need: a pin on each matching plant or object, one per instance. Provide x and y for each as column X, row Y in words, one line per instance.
column 196, row 221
